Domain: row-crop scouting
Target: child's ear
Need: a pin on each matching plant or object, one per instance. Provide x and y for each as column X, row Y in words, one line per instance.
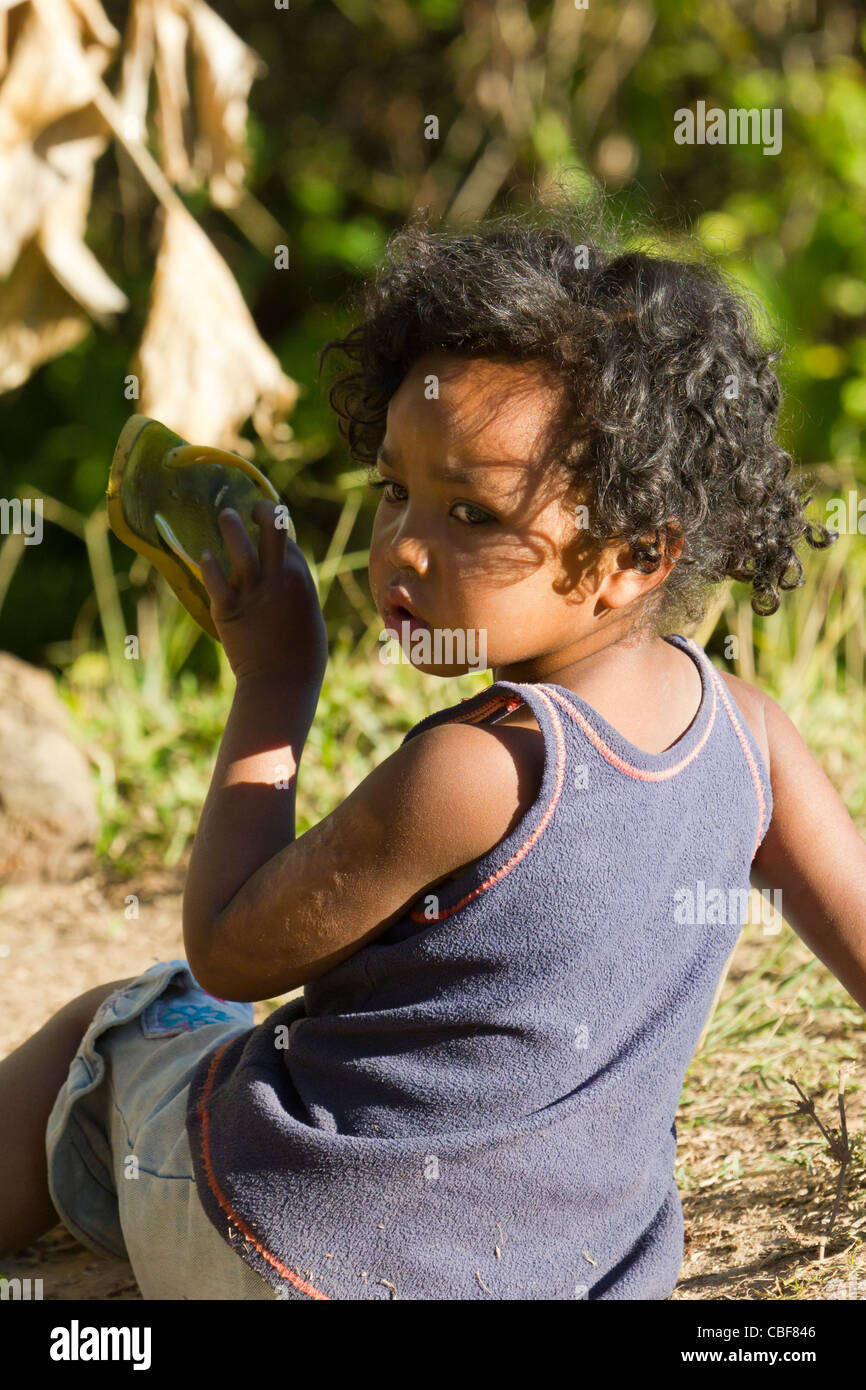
column 625, row 582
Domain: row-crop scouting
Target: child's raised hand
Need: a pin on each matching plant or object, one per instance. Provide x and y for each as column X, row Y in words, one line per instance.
column 267, row 613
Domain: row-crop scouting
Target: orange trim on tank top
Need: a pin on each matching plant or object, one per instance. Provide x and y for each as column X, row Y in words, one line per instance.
column 756, row 776
column 641, row 774
column 718, row 688
column 528, row 843
column 225, row 1204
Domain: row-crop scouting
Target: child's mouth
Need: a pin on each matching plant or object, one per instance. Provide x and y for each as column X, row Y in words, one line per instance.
column 396, row 616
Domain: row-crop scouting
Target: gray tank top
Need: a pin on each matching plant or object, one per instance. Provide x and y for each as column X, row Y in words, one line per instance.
column 480, row 1103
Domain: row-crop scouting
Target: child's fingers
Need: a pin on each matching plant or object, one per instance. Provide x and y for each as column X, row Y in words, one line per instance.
column 218, row 587
column 272, row 539
column 244, row 560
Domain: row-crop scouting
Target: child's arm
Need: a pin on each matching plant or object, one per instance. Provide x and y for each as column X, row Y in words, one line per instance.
column 263, row 911
column 813, row 852
column 436, row 804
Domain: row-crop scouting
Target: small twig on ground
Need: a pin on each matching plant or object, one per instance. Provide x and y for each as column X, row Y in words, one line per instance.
column 837, row 1140
column 845, row 1149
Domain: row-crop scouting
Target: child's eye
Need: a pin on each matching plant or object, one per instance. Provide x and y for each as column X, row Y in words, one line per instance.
column 480, row 515
column 383, row 482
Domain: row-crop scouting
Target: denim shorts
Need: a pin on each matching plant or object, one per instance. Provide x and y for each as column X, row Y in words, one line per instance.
column 119, row 1164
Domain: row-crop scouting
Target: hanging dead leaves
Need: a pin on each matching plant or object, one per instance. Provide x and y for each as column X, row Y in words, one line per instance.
column 201, row 365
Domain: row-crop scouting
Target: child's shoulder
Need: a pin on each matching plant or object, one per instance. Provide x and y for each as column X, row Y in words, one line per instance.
column 453, row 792
column 506, row 758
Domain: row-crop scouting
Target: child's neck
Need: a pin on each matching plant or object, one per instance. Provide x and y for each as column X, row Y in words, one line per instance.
column 595, row 661
column 649, row 691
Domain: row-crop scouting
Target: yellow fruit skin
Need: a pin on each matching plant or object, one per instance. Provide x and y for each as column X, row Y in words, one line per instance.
column 163, row 498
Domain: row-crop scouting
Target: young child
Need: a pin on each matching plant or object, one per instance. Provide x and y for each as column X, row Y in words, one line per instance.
column 511, row 932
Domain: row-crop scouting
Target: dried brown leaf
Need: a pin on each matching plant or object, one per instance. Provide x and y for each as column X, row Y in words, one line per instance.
column 50, row 138
column 93, row 16
column 225, row 70
column 136, row 67
column 71, row 260
column 26, row 185
column 203, row 367
column 171, row 32
column 53, row 128
column 214, row 147
column 52, row 71
column 38, row 319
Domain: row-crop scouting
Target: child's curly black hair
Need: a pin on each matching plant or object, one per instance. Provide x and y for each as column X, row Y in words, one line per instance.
column 667, row 420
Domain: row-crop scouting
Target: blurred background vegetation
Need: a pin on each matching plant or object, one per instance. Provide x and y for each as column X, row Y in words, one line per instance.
column 335, row 158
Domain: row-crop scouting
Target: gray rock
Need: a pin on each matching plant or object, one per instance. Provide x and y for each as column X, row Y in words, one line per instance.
column 48, row 810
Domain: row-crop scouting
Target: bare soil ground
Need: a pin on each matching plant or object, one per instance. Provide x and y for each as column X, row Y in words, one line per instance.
column 756, row 1193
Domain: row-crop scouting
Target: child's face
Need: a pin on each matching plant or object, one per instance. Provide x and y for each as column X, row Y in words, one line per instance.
column 499, row 553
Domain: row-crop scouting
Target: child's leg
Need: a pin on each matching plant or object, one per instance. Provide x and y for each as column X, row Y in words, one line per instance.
column 30, row 1078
